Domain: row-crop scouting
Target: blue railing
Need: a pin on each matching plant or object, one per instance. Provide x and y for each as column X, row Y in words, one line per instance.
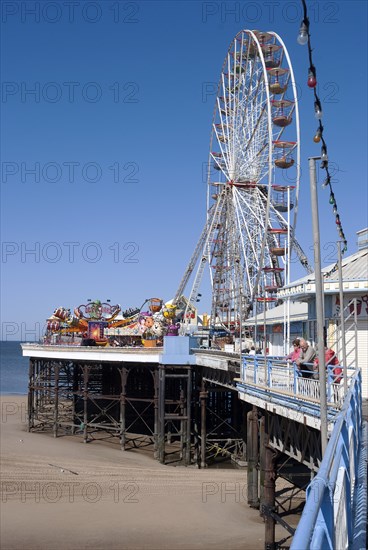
column 274, row 374
column 335, row 513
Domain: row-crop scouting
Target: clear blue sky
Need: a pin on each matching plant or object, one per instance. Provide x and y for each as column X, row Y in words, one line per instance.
column 117, row 131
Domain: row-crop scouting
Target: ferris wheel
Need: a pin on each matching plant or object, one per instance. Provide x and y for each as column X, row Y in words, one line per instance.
column 253, row 182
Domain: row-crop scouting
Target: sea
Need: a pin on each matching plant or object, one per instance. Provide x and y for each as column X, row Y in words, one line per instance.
column 13, row 369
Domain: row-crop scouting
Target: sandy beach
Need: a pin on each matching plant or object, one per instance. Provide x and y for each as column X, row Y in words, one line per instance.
column 61, row 493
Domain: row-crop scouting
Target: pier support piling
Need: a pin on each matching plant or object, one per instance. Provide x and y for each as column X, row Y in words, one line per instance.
column 56, row 400
column 269, row 498
column 161, row 423
column 156, row 422
column 262, row 458
column 252, row 455
column 85, row 403
column 203, row 398
column 188, row 442
column 184, row 412
column 31, row 404
column 124, row 376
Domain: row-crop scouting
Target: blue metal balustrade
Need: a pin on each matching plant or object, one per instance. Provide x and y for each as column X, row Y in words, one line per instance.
column 335, row 514
column 274, row 379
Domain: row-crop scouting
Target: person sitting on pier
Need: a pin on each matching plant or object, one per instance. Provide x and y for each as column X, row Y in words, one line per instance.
column 305, row 361
column 331, row 361
column 295, row 352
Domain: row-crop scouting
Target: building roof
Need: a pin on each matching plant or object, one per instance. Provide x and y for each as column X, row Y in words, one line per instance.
column 298, row 312
column 354, row 276
column 362, row 238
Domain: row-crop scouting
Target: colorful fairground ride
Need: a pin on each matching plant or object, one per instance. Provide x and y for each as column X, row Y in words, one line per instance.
column 99, row 323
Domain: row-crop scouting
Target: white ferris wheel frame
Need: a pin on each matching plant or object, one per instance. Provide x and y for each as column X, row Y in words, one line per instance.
column 271, row 168
column 203, row 249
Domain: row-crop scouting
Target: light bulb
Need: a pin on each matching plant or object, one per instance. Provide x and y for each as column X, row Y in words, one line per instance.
column 326, row 182
column 324, row 156
column 317, row 137
column 303, row 34
column 312, row 81
column 317, row 110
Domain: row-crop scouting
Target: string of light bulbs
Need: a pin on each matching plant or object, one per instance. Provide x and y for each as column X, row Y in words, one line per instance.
column 304, row 39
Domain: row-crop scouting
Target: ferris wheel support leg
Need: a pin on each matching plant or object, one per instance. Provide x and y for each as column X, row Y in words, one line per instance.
column 192, row 263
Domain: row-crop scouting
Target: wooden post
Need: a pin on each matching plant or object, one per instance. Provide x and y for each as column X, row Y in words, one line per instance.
column 252, row 450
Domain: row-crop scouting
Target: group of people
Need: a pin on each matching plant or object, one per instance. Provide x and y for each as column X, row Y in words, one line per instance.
column 305, row 357
column 252, row 351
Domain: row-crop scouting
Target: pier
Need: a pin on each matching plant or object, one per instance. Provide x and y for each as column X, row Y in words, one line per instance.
column 194, row 407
